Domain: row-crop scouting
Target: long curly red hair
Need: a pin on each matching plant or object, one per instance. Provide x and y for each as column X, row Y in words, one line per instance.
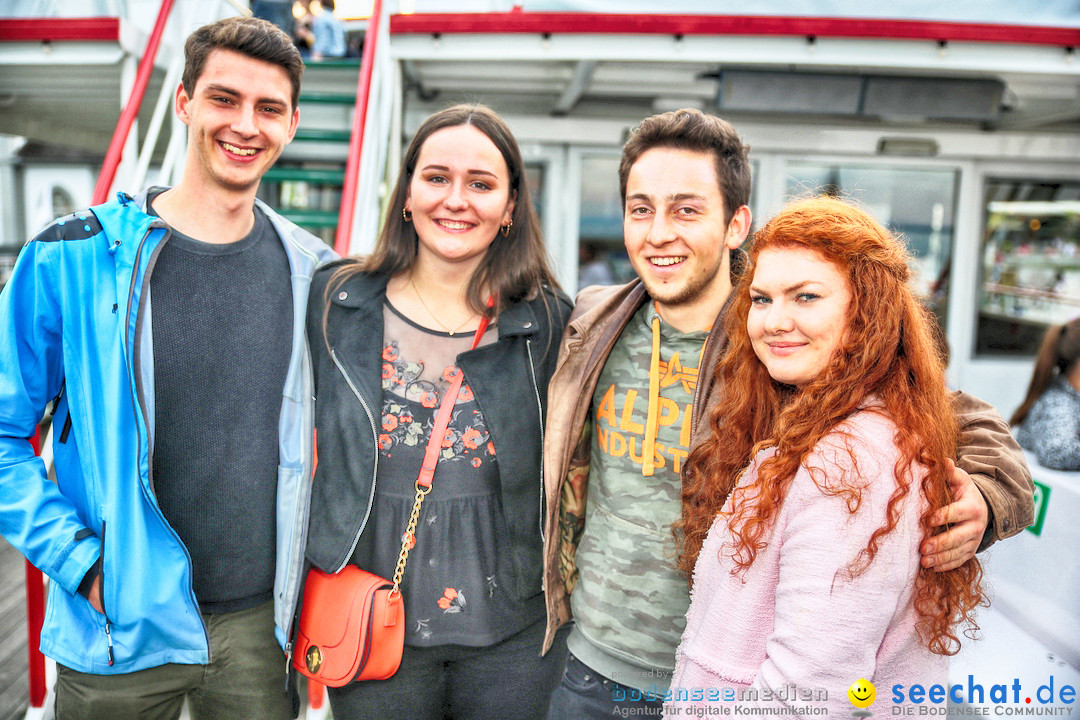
column 891, row 350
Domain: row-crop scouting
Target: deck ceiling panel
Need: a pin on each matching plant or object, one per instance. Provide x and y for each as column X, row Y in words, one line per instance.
column 651, row 72
column 819, row 53
column 650, row 80
column 77, row 105
column 510, row 72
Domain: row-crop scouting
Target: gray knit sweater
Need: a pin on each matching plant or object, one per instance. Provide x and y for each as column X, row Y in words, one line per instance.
column 1052, row 429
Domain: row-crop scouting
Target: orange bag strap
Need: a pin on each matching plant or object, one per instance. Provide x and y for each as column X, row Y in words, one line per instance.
column 431, row 456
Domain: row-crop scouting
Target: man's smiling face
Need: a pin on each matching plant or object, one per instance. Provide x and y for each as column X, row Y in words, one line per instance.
column 239, row 117
column 675, row 227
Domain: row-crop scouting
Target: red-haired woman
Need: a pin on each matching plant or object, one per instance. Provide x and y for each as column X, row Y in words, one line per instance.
column 806, row 563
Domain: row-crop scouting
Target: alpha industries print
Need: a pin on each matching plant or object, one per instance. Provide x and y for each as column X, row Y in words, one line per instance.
column 630, row 601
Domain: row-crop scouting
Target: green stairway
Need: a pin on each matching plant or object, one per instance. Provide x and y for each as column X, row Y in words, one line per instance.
column 306, row 182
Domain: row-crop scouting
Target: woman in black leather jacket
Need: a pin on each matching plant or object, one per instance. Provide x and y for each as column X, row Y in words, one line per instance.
column 388, row 333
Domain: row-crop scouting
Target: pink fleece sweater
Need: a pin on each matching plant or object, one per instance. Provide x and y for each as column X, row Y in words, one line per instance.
column 796, row 617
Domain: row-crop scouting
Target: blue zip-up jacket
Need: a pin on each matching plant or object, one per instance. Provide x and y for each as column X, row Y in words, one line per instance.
column 75, row 324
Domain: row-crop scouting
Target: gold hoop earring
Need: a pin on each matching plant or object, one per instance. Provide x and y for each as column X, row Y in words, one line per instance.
column 505, row 229
column 406, row 214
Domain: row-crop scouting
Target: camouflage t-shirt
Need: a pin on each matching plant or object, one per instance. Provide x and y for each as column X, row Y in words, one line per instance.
column 630, row 601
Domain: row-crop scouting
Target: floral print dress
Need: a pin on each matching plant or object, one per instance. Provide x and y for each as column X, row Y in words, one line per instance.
column 453, row 586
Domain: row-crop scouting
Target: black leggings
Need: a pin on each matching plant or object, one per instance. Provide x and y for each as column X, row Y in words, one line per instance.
column 505, row 680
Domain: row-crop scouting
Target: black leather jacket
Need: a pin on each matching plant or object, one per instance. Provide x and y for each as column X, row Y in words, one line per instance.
column 509, row 379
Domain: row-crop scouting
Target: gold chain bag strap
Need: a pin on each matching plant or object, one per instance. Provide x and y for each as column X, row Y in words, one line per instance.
column 352, row 624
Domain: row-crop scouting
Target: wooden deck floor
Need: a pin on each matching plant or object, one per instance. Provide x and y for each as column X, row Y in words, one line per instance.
column 14, row 688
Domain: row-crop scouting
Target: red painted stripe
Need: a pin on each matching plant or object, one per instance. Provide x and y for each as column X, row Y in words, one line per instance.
column 343, row 237
column 35, row 618
column 93, row 29
column 612, row 24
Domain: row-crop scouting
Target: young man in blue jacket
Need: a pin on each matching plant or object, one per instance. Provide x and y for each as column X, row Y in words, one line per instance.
column 168, row 332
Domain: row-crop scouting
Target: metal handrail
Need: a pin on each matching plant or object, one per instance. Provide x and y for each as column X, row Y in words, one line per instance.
column 131, row 109
column 157, row 121
column 356, row 144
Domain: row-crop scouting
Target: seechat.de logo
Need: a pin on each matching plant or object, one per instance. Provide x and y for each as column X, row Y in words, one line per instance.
column 1051, row 698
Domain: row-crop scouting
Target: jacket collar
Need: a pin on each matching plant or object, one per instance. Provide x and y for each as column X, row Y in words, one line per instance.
column 125, row 222
column 360, row 290
column 518, row 319
column 596, row 307
column 126, row 218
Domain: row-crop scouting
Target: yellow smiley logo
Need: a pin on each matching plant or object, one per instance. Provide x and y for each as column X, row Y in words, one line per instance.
column 862, row 693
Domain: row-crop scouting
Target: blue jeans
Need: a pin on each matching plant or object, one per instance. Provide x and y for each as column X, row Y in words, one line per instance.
column 506, row 680
column 585, row 695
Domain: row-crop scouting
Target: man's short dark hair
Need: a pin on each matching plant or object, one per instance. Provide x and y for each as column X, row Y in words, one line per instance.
column 691, row 129
column 249, row 36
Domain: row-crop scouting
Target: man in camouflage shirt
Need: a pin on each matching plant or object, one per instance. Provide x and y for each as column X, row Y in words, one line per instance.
column 633, row 383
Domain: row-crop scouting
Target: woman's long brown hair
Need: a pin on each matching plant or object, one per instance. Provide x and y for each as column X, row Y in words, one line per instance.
column 891, row 352
column 1059, row 352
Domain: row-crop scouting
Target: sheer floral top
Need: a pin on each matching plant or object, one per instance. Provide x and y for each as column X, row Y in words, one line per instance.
column 451, row 587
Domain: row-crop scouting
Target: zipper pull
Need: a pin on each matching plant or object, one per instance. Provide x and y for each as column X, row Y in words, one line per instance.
column 288, row 664
column 108, row 635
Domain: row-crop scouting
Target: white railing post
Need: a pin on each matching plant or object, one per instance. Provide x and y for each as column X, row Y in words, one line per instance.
column 157, row 121
column 376, row 139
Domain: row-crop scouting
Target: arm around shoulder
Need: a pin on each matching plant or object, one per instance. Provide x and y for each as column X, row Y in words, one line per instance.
column 989, row 454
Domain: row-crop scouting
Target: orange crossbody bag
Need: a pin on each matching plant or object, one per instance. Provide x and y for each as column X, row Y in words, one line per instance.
column 352, row 624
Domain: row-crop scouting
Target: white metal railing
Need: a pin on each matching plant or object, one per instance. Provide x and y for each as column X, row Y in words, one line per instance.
column 382, row 108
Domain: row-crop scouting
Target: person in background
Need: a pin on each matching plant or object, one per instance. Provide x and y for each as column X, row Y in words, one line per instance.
column 278, row 12
column 303, row 35
column 328, row 32
column 630, row 398
column 593, row 266
column 461, row 242
column 1049, row 417
column 172, row 534
column 827, row 459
